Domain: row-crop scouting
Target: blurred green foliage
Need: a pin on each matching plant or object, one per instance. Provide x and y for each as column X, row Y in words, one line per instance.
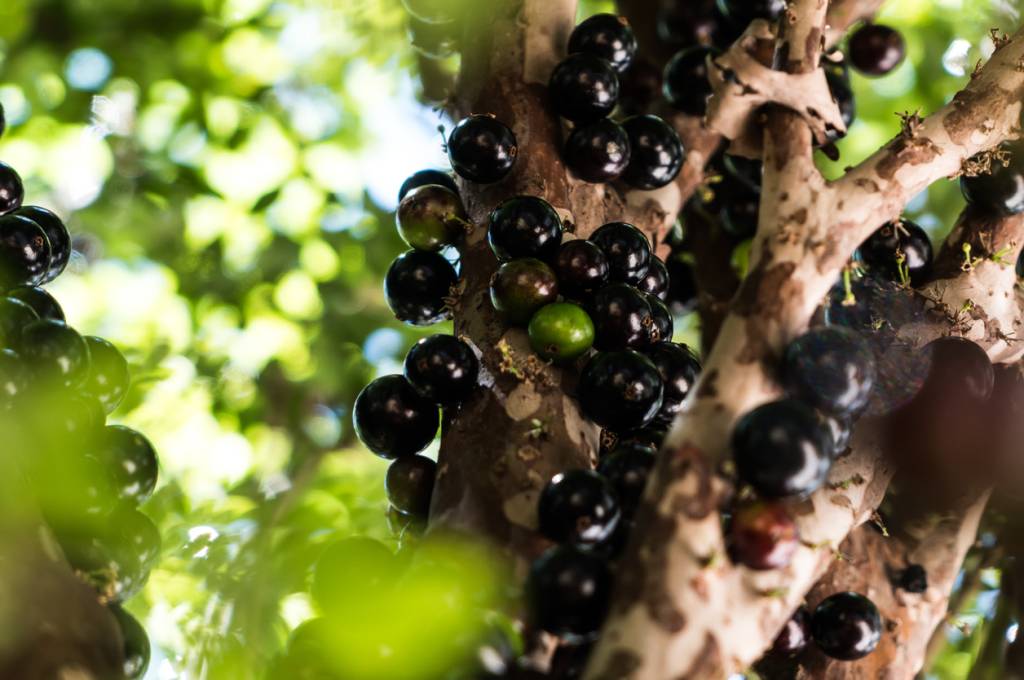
column 228, row 169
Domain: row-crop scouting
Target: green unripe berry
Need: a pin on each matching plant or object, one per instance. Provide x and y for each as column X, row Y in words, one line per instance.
column 430, row 217
column 561, row 332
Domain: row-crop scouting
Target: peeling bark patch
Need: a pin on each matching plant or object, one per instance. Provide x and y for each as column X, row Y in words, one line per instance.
column 709, row 385
column 904, row 151
column 969, row 115
column 708, row 663
column 685, row 462
column 761, row 293
column 621, row 664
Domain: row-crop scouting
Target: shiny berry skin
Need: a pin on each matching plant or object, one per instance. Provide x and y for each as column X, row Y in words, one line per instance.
column 561, row 332
column 581, row 267
column 56, row 353
column 627, row 468
column 351, row 570
column 876, row 50
column 15, row 315
column 108, row 379
column 64, row 419
column 656, row 154
column 578, row 507
column 682, row 288
column 742, row 12
column 39, row 300
column 416, row 286
column 913, row 579
column 622, row 317
column 568, row 591
column 15, row 378
column 583, row 88
column 741, row 211
column 781, row 449
column 679, row 369
column 56, row 232
column 132, row 461
column 960, row 369
column 846, row 626
column 482, row 149
column 684, row 23
column 685, row 84
column 137, row 533
column 12, row 191
column 430, row 217
column 655, row 280
column 840, row 431
column 520, row 287
column 597, row 152
column 136, row 643
column 1000, row 191
column 424, row 177
column 392, row 419
column 627, row 249
column 607, row 37
column 662, row 326
column 794, row 636
column 831, row 368
column 443, row 369
column 24, row 252
column 524, row 226
column 620, row 391
column 762, row 536
column 410, row 483
column 905, row 240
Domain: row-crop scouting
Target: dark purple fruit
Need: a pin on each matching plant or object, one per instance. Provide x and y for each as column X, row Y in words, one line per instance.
column 40, row 301
column 627, row 249
column 840, row 431
column 108, row 379
column 430, row 217
column 482, row 149
column 57, row 354
column 521, row 287
column 685, row 23
column 12, row 191
column 876, row 50
column 443, row 369
column 417, row 285
column 846, row 626
column 682, row 288
column 762, row 536
column 662, row 327
column 740, row 213
column 410, row 483
column 15, row 378
column 626, row 468
column 620, row 391
column 656, row 154
column 655, row 280
column 639, row 87
column 685, row 84
column 583, row 88
column 56, row 232
column 524, row 226
column 392, row 419
column 606, row 36
column 781, row 449
column 741, row 12
column 568, row 591
column 679, row 369
column 1000, row 191
column 794, row 636
column 15, row 315
column 132, row 462
column 597, row 152
column 135, row 643
column 424, row 177
column 578, row 507
column 842, row 92
column 831, row 368
column 622, row 317
column 24, row 252
column 900, row 250
column 581, row 267
column 960, row 370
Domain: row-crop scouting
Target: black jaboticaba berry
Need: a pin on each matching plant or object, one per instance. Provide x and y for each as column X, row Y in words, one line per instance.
column 1000, row 191
column 685, row 23
column 581, row 267
column 12, row 191
column 570, row 660
column 663, row 327
column 639, row 87
column 410, row 483
column 56, row 232
column 682, row 287
column 132, row 462
column 627, row 249
column 620, row 391
column 622, row 317
column 606, row 36
column 876, row 50
column 842, row 92
column 840, row 430
column 392, row 419
column 24, row 252
column 583, row 88
column 846, row 626
column 685, row 84
column 568, row 591
column 762, row 535
column 747, row 172
column 15, row 315
column 781, row 449
column 524, row 226
column 430, row 217
column 108, row 379
column 960, row 370
column 425, row 177
column 442, row 368
column 626, row 468
column 656, row 154
column 794, row 636
column 63, row 419
column 482, row 149
column 56, row 353
column 900, row 250
column 679, row 369
column 521, row 287
column 597, row 152
column 831, row 368
column 741, row 209
column 39, row 300
column 655, row 280
column 742, row 12
column 913, row 579
column 433, row 40
column 138, row 534
column 136, row 643
column 416, row 286
column 15, row 378
column 578, row 507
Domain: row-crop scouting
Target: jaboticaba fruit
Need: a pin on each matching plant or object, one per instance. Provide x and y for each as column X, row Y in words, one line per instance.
column 561, row 332
column 56, row 232
column 762, row 535
column 597, row 152
column 136, row 643
column 622, row 317
column 12, row 192
column 524, row 226
column 132, row 462
column 442, row 368
column 56, row 352
column 577, row 507
column 794, row 636
column 900, row 250
column 424, row 177
column 430, row 217
column 781, row 449
column 606, row 36
column 655, row 280
column 581, row 267
column 846, row 626
column 626, row 468
column 392, row 419
column 682, row 288
column 583, row 88
column 15, row 315
column 353, row 571
column 44, row 305
column 656, row 154
column 684, row 23
column 409, row 484
column 876, row 50
column 1001, row 190
column 108, row 379
column 521, row 287
column 686, row 85
column 627, row 249
column 417, row 285
column 482, row 149
column 620, row 391
column 679, row 369
column 832, row 368
column 568, row 590
column 662, row 325
column 25, row 252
